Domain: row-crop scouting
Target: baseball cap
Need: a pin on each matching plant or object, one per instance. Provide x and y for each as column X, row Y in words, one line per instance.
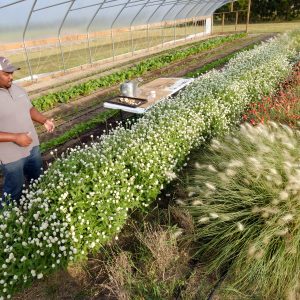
column 6, row 66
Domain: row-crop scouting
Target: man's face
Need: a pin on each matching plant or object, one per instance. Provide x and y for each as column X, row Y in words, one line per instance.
column 6, row 79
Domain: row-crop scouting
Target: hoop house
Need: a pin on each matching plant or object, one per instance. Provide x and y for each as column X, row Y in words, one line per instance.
column 44, row 37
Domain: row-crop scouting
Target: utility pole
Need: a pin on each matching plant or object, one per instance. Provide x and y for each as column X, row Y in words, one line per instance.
column 248, row 15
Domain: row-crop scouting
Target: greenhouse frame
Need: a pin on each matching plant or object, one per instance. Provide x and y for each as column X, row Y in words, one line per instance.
column 60, row 28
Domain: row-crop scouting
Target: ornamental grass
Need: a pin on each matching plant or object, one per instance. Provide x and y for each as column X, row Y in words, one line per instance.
column 244, row 194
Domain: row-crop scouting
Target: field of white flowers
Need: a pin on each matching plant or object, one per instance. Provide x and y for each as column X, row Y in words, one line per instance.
column 85, row 197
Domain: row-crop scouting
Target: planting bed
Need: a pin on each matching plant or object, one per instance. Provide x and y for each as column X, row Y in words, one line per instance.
column 81, row 110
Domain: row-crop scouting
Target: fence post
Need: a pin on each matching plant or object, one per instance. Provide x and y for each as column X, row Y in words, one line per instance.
column 236, row 20
column 248, row 15
column 223, row 22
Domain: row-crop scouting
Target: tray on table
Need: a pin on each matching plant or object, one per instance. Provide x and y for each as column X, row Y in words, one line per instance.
column 127, row 101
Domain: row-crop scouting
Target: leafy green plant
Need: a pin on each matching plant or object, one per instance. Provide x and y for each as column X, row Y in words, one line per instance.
column 48, row 101
column 77, row 130
column 243, row 193
column 217, row 63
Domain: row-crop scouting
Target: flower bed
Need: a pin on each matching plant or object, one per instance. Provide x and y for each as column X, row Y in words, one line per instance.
column 283, row 107
column 84, row 198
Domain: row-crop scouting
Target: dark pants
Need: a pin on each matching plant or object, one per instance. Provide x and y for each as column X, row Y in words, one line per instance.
column 15, row 173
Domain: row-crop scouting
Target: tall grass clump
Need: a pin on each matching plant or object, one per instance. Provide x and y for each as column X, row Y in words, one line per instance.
column 244, row 194
column 155, row 270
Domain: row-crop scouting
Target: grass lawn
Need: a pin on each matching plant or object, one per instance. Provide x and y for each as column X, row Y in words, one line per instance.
column 274, row 27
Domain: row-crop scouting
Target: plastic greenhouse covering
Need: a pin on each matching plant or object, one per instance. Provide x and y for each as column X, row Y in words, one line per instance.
column 28, row 20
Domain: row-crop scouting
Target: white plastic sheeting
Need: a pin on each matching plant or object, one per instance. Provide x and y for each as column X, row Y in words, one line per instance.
column 56, row 35
column 35, row 19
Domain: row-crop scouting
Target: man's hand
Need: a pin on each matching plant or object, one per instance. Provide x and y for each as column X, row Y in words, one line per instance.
column 49, row 125
column 23, row 139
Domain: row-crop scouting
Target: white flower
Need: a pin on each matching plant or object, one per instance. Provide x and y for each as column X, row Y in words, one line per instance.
column 203, row 220
column 240, row 226
column 210, row 186
column 287, row 218
column 214, row 215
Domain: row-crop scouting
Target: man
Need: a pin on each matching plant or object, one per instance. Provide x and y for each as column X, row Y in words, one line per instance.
column 20, row 157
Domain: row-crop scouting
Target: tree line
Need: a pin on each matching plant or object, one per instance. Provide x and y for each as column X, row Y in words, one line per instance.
column 268, row 10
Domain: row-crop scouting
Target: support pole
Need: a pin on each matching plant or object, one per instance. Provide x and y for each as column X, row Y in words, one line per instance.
column 131, row 23
column 175, row 18
column 223, row 22
column 236, row 20
column 23, row 40
column 148, row 21
column 248, row 16
column 88, row 30
column 59, row 35
column 165, row 22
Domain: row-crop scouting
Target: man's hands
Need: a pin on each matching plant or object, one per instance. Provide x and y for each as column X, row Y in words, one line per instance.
column 40, row 118
column 49, row 125
column 23, row 139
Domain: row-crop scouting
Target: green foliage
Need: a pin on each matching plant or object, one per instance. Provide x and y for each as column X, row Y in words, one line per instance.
column 244, row 196
column 217, row 63
column 48, row 101
column 77, row 130
column 266, row 10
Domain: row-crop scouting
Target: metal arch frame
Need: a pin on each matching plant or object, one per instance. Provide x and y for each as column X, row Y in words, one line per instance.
column 10, row 4
column 218, row 5
column 203, row 7
column 53, row 5
column 210, row 8
column 23, row 38
column 32, row 10
column 148, row 21
column 187, row 15
column 59, row 33
column 204, row 10
column 163, row 20
column 91, row 5
column 88, row 29
column 111, row 27
column 163, row 2
column 202, row 4
column 175, row 18
column 132, row 21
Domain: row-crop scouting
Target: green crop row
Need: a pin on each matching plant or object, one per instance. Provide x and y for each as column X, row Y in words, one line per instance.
column 48, row 101
column 217, row 63
column 77, row 130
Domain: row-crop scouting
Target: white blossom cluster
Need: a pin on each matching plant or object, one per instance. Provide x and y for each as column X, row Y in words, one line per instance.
column 244, row 194
column 83, row 199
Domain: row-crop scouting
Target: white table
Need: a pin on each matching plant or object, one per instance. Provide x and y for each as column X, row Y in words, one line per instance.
column 163, row 87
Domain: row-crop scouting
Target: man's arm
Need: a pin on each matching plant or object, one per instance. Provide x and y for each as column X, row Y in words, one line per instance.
column 40, row 118
column 22, row 139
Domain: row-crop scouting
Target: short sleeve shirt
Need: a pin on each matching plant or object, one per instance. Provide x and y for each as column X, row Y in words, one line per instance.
column 15, row 117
